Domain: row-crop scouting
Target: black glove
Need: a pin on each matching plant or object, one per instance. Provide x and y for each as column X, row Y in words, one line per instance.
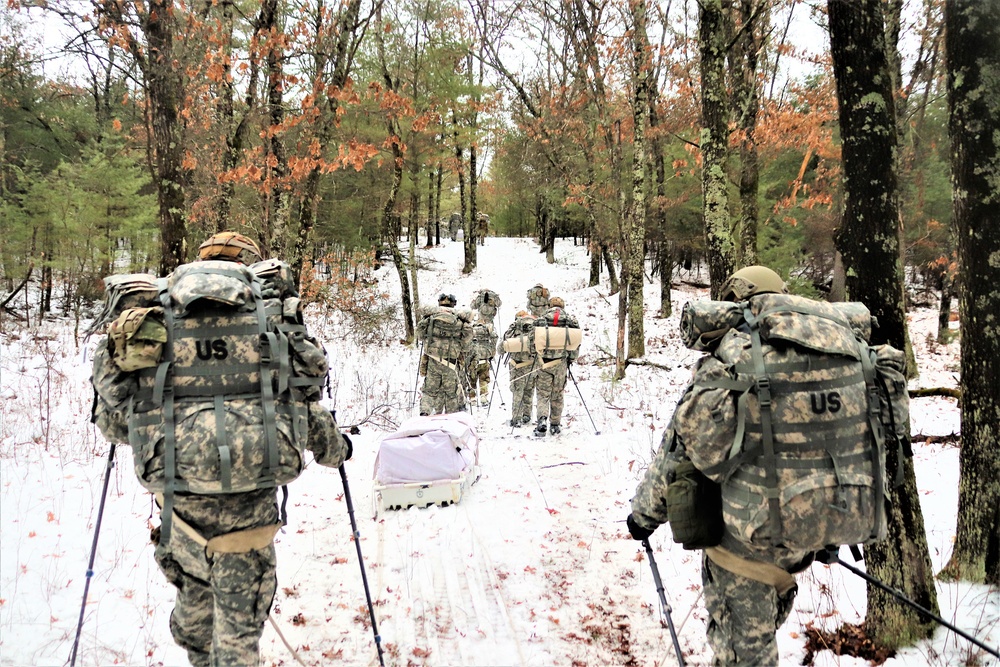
column 350, row 446
column 636, row 531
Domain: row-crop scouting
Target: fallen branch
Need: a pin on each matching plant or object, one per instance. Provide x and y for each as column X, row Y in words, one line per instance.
column 31, row 266
column 638, row 362
column 951, row 438
column 947, row 392
column 568, row 463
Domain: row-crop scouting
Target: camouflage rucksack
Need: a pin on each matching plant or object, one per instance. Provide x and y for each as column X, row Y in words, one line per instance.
column 486, row 302
column 791, row 414
column 227, row 402
column 122, row 292
column 538, row 300
column 557, row 335
column 484, row 341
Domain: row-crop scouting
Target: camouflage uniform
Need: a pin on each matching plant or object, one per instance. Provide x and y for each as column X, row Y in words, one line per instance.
column 220, row 553
column 744, row 614
column 454, row 224
column 553, row 370
column 443, row 390
column 483, row 223
column 522, row 370
column 479, row 358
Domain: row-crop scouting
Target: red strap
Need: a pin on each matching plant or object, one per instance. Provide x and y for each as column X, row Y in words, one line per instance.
column 555, row 318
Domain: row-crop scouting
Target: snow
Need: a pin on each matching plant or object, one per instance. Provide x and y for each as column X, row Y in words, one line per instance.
column 533, row 567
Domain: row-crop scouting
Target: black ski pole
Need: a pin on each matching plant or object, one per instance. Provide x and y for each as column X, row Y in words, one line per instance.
column 93, row 552
column 663, row 601
column 496, row 379
column 570, row 372
column 361, row 561
column 832, row 556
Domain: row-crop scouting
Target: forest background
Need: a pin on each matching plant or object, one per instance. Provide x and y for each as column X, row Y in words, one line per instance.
column 661, row 135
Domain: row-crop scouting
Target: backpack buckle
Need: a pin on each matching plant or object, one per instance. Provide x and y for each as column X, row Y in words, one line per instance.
column 764, row 392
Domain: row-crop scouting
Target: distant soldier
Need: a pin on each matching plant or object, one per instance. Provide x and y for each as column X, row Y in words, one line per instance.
column 446, row 336
column 557, row 340
column 480, row 357
column 538, row 300
column 486, row 302
column 454, row 224
column 519, row 342
column 482, row 227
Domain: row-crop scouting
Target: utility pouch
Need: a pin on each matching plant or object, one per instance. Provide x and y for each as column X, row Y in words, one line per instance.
column 137, row 337
column 694, row 508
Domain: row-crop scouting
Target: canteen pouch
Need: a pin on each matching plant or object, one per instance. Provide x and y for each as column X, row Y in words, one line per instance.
column 694, row 508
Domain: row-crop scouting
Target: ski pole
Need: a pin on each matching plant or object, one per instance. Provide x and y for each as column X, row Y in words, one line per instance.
column 361, row 561
column 663, row 601
column 832, row 556
column 496, row 379
column 416, row 381
column 93, row 552
column 570, row 372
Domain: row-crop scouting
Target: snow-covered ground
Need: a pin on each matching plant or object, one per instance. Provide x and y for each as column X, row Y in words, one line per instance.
column 533, row 567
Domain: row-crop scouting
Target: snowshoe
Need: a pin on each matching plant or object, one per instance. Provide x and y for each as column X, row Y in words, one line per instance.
column 541, row 428
column 555, row 430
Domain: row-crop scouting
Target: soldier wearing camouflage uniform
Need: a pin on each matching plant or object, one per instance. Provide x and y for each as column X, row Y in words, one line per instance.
column 215, row 548
column 538, row 300
column 744, row 611
column 447, row 338
column 522, row 368
column 479, row 360
column 553, row 370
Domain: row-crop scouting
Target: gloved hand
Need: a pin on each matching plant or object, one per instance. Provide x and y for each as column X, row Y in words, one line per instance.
column 636, row 531
column 350, row 446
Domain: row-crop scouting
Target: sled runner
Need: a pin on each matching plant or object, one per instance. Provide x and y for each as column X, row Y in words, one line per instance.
column 431, row 460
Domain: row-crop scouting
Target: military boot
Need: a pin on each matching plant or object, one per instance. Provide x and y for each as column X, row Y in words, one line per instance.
column 541, row 427
column 555, row 430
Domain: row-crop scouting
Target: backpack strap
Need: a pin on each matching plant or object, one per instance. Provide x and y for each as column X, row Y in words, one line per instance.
column 273, row 353
column 762, row 384
column 878, row 432
column 163, row 395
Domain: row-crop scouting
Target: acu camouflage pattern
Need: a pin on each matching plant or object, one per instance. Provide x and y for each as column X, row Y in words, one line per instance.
column 829, row 454
column 538, row 300
column 704, row 323
column 121, row 292
column 222, row 602
column 550, row 383
column 136, row 338
column 744, row 616
column 522, row 368
column 481, row 353
column 486, row 303
column 444, row 333
column 558, row 318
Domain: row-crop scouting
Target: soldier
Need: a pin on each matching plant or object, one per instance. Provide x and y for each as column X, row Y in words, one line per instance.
column 521, row 335
column 538, row 300
column 483, row 227
column 480, row 356
column 553, row 369
column 759, row 518
column 454, row 225
column 215, row 539
column 447, row 336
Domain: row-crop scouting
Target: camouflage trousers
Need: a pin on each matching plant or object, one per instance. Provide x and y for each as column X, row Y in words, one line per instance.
column 222, row 601
column 479, row 376
column 744, row 616
column 549, row 385
column 442, row 390
column 522, row 390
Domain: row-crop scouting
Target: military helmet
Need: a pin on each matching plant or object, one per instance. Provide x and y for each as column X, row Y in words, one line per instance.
column 557, row 302
column 448, row 300
column 750, row 281
column 230, row 246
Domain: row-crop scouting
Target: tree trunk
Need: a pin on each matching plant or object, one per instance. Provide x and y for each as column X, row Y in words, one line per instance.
column 277, row 237
column 714, row 143
column 869, row 243
column 972, row 31
column 747, row 94
column 635, row 219
column 944, row 307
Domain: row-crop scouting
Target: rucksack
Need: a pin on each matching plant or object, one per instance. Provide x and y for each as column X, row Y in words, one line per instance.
column 440, row 322
column 519, row 339
column 557, row 334
column 538, row 299
column 487, row 302
column 791, row 414
column 122, row 292
column 229, row 403
column 483, row 341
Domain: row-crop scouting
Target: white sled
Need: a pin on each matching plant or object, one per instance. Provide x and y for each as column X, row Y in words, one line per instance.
column 429, row 461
